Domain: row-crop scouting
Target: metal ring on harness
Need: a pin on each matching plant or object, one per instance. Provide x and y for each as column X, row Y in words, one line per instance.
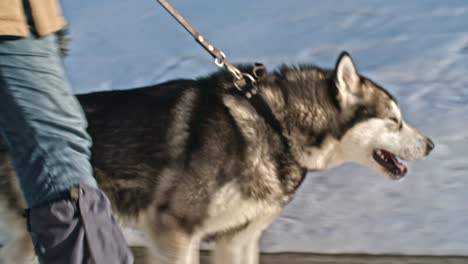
column 241, row 84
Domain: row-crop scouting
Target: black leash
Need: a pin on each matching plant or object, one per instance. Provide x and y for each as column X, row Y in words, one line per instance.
column 244, row 82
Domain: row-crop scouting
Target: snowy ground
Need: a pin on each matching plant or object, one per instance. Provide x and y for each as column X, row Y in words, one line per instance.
column 417, row 49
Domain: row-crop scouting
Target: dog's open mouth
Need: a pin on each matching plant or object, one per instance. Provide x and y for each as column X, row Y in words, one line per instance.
column 390, row 162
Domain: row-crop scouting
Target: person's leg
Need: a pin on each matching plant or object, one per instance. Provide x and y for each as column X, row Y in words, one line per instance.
column 45, row 131
column 42, row 121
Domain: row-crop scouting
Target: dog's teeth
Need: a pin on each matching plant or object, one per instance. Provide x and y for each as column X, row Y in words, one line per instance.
column 381, row 155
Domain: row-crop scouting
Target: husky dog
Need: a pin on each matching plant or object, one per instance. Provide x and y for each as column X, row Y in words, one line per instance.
column 190, row 160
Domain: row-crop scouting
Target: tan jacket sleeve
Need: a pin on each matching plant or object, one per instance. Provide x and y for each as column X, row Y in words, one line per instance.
column 12, row 18
column 47, row 17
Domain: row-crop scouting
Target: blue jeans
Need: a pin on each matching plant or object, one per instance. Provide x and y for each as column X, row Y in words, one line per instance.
column 44, row 128
column 41, row 121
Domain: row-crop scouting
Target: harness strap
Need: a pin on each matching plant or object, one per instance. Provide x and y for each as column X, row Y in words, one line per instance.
column 261, row 106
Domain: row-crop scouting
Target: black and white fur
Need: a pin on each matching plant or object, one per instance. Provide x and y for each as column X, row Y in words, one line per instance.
column 190, row 160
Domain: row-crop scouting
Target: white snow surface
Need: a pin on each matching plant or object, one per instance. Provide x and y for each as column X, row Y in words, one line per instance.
column 418, row 50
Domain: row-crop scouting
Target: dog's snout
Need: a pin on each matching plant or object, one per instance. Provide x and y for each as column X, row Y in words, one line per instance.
column 429, row 146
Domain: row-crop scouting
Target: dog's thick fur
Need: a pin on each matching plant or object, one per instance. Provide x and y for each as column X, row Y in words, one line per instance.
column 190, row 160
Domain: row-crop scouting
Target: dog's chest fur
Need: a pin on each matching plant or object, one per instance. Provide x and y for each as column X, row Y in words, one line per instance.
column 230, row 211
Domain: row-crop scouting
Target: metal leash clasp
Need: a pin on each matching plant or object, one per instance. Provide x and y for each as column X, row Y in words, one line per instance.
column 241, row 80
column 247, row 85
column 222, row 62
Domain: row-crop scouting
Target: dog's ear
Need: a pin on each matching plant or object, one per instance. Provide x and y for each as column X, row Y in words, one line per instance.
column 346, row 75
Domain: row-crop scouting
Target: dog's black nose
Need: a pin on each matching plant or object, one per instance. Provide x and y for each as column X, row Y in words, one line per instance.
column 430, row 146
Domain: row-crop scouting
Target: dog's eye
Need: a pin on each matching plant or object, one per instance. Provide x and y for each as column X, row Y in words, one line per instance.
column 394, row 119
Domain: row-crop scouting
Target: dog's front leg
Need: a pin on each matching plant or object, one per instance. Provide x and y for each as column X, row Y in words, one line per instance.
column 229, row 252
column 237, row 250
column 194, row 250
column 243, row 247
column 174, row 247
column 252, row 251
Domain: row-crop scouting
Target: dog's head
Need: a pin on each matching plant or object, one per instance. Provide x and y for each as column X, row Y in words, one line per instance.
column 355, row 120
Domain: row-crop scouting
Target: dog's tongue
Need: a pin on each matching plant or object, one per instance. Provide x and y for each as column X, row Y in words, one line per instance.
column 398, row 164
